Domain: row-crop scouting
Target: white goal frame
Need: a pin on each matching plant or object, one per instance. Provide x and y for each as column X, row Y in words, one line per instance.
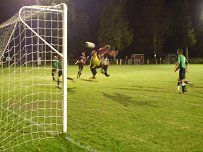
column 7, row 60
column 64, row 55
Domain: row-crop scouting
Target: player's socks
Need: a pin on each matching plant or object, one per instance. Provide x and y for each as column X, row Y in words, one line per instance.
column 53, row 76
column 79, row 74
column 178, row 88
column 183, row 88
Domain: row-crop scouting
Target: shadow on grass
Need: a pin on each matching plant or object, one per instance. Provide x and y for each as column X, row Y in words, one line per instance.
column 127, row 101
column 71, row 90
column 89, row 80
column 144, row 89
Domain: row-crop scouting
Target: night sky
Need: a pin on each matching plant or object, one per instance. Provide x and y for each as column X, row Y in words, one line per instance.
column 133, row 10
column 9, row 7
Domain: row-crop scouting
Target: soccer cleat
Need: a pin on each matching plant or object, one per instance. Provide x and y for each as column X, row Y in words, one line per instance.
column 181, row 92
column 107, row 75
column 187, row 82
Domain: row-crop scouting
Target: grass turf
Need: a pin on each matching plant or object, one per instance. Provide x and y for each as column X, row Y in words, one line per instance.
column 137, row 108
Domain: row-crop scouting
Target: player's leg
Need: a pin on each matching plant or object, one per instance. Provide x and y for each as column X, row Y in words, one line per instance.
column 102, row 69
column 53, row 74
column 182, row 77
column 94, row 72
column 59, row 75
column 179, row 84
column 187, row 82
column 105, row 71
column 106, row 64
column 80, row 70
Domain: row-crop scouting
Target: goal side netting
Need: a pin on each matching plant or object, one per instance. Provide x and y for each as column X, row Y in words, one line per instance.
column 32, row 108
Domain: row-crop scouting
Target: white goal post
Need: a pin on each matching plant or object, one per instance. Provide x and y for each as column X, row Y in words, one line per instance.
column 31, row 106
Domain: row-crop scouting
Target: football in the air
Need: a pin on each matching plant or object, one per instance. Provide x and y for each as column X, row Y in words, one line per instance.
column 90, row 45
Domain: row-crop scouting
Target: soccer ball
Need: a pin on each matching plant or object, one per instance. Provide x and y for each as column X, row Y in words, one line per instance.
column 90, row 45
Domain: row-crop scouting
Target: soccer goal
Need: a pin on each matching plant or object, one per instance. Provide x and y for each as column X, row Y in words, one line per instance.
column 137, row 59
column 31, row 107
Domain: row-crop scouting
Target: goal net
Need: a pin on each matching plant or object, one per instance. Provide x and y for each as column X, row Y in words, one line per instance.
column 31, row 106
column 137, row 59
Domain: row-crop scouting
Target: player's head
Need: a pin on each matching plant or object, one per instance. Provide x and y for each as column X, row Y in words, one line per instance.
column 94, row 53
column 55, row 57
column 83, row 53
column 107, row 47
column 180, row 51
column 102, row 55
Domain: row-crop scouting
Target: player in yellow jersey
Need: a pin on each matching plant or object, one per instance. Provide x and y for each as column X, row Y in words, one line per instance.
column 95, row 63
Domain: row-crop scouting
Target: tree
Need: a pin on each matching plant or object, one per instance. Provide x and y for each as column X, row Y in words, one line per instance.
column 183, row 34
column 78, row 24
column 114, row 28
column 197, row 23
column 158, row 19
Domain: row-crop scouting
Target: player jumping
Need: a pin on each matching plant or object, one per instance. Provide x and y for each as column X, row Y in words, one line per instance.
column 95, row 63
column 103, row 54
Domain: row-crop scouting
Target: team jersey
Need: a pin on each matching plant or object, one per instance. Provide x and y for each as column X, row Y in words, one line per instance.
column 55, row 64
column 103, row 51
column 59, row 65
column 95, row 62
column 82, row 60
column 182, row 61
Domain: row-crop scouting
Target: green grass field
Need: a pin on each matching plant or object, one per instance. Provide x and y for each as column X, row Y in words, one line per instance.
column 136, row 109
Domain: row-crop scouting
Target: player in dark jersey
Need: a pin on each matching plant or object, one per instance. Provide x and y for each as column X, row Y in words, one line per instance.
column 103, row 54
column 81, row 62
column 182, row 65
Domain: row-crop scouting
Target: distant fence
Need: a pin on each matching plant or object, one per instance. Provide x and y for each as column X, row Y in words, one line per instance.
column 196, row 60
column 128, row 61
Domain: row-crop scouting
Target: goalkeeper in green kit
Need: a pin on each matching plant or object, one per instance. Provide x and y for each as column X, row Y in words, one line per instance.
column 182, row 64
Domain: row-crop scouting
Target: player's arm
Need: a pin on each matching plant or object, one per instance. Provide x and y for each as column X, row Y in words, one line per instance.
column 76, row 62
column 177, row 66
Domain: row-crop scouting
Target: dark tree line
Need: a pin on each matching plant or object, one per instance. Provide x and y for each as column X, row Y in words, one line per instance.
column 134, row 26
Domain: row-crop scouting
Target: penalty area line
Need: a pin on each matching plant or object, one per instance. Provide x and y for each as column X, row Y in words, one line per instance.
column 88, row 148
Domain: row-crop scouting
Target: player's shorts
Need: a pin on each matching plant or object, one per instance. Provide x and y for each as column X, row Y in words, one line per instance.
column 182, row 73
column 81, row 67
